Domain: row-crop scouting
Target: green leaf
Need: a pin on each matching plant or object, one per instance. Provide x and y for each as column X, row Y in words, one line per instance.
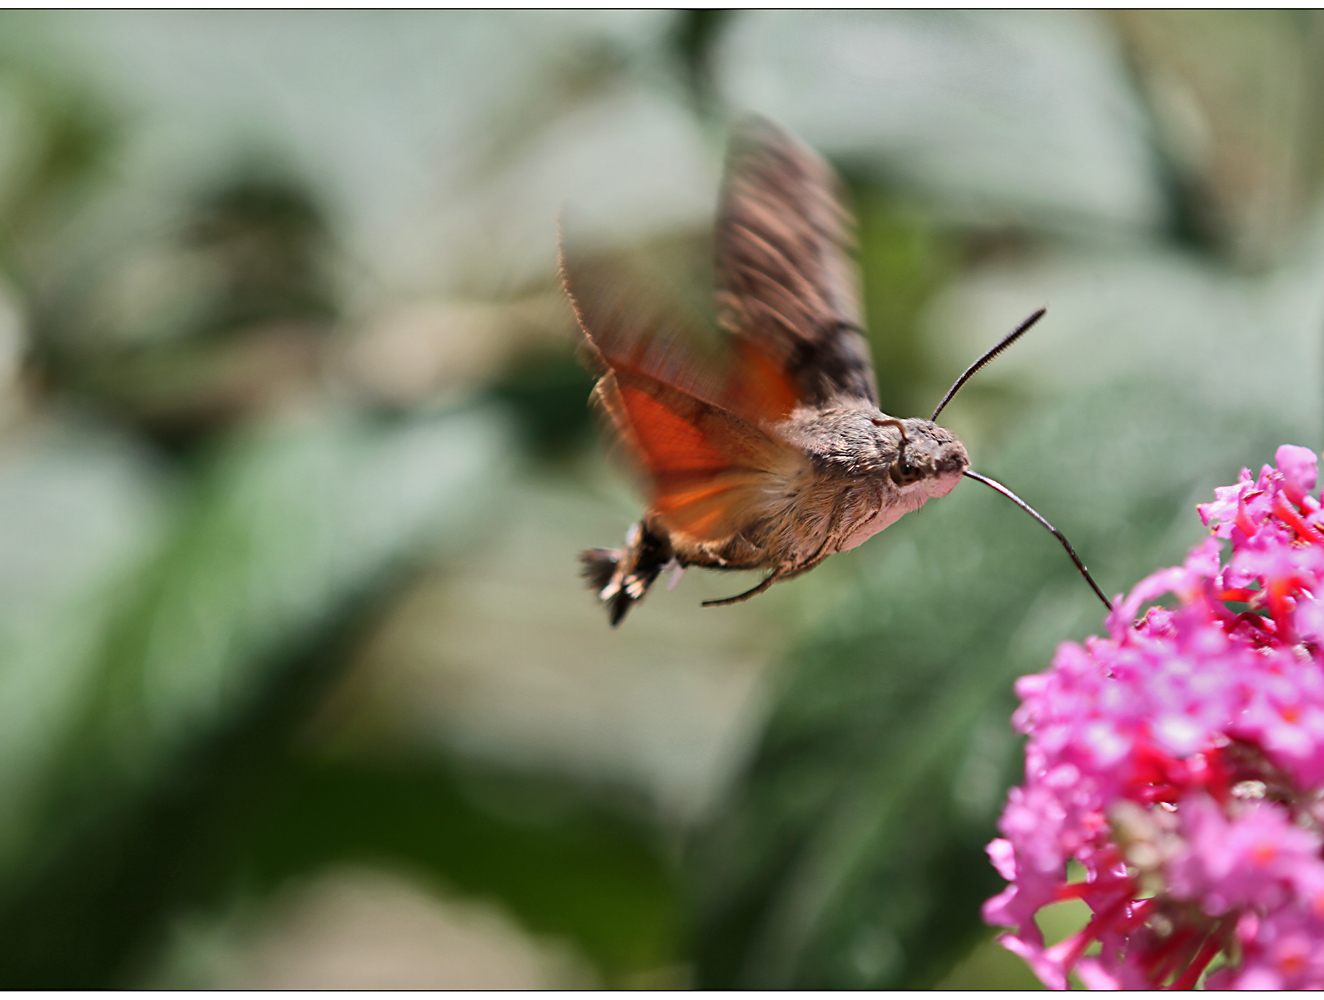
column 291, row 522
column 243, row 607
column 80, row 513
column 1024, row 118
column 562, row 864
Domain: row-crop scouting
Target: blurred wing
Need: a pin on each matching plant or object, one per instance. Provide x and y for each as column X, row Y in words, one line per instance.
column 711, row 470
column 711, row 473
column 788, row 288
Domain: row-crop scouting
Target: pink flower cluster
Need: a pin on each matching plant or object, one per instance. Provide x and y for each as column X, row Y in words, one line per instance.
column 1180, row 763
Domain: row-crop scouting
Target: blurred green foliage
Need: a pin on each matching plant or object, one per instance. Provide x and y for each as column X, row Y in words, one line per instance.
column 295, row 460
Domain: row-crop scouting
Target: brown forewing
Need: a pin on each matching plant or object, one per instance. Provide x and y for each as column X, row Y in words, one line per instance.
column 788, row 286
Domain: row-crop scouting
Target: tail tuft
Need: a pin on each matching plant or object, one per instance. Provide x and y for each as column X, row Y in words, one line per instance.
column 621, row 577
column 599, row 565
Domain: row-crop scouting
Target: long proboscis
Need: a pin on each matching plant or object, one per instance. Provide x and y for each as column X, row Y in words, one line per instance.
column 989, row 355
column 994, row 484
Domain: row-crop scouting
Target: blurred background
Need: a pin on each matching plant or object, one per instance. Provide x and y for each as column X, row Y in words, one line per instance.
column 298, row 684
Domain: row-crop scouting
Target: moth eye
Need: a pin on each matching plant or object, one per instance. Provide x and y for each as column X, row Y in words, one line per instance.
column 903, row 474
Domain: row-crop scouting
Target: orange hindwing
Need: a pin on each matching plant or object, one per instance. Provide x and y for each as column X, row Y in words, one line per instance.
column 705, row 439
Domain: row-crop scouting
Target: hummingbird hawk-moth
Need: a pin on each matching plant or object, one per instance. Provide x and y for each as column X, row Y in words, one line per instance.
column 780, row 457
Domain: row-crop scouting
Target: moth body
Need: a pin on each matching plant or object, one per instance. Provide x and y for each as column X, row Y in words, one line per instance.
column 861, row 470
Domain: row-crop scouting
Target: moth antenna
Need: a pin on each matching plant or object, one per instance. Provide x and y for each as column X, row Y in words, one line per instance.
column 993, row 483
column 988, row 356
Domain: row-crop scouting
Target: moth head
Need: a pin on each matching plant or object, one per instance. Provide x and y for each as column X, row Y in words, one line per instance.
column 929, row 458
